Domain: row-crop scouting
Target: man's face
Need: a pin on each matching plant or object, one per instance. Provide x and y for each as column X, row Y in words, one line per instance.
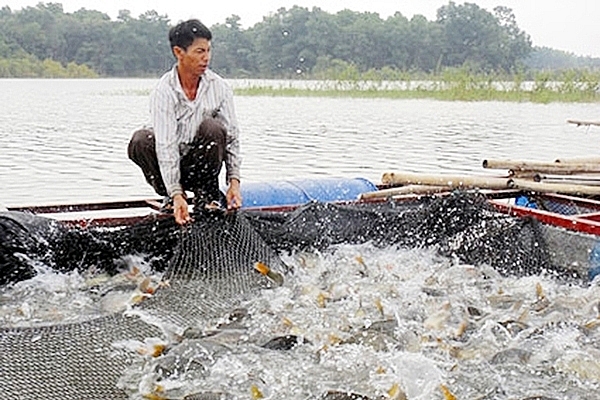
column 197, row 57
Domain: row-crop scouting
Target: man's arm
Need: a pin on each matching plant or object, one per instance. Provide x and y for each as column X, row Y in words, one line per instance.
column 164, row 123
column 232, row 150
column 162, row 109
column 234, row 195
column 180, row 209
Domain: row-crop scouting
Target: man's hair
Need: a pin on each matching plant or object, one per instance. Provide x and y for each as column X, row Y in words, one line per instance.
column 184, row 33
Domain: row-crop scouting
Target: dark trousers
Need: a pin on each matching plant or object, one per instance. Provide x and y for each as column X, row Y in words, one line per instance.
column 200, row 166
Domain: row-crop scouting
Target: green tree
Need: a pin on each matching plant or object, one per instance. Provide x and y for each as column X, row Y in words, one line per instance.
column 232, row 48
column 425, row 44
column 397, row 43
column 293, row 42
column 476, row 38
column 515, row 45
column 283, row 43
column 270, row 36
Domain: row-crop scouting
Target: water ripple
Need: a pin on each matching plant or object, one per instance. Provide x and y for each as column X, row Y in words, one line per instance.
column 66, row 140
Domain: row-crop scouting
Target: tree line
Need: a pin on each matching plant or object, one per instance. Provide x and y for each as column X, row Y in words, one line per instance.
column 296, row 42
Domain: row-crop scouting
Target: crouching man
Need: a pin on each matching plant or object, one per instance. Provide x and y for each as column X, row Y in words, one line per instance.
column 193, row 130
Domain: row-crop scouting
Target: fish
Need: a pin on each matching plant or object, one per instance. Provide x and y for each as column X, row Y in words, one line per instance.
column 152, row 348
column 511, row 355
column 190, row 356
column 361, row 261
column 269, row 273
column 256, row 393
column 514, row 327
column 287, row 342
column 447, row 393
column 542, row 301
column 438, row 320
column 395, row 393
column 462, row 328
column 322, row 299
column 208, row 396
column 338, row 395
column 591, row 324
column 376, row 340
column 379, row 306
column 154, row 396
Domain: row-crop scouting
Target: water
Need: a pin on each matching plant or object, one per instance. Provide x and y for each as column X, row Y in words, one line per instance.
column 66, row 140
column 478, row 334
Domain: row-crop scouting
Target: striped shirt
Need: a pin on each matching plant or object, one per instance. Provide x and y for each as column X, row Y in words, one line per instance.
column 175, row 120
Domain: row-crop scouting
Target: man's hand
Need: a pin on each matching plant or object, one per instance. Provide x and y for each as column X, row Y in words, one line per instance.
column 180, row 209
column 234, row 195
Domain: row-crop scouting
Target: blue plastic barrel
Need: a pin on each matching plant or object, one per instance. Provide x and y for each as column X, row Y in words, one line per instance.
column 296, row 192
column 594, row 262
column 525, row 201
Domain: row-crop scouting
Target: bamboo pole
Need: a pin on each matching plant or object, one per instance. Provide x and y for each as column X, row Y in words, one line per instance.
column 523, row 174
column 582, row 160
column 585, row 123
column 448, row 181
column 516, row 167
column 403, row 190
column 592, row 180
column 564, row 188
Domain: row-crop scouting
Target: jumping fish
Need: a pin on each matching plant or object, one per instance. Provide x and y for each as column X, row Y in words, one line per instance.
column 256, row 393
column 395, row 393
column 152, row 347
column 542, row 301
column 286, row 342
column 154, row 396
column 447, row 393
column 269, row 273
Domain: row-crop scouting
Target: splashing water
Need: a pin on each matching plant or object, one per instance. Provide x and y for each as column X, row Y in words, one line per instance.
column 364, row 319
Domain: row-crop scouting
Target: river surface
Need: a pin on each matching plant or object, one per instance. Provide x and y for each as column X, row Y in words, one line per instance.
column 456, row 328
column 66, row 140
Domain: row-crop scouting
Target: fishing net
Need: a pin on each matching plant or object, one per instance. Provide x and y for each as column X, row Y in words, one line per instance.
column 68, row 361
column 209, row 272
column 212, row 270
column 462, row 225
column 220, row 261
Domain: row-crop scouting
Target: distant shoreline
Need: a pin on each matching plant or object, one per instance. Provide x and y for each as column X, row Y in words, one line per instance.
column 547, row 96
column 576, row 91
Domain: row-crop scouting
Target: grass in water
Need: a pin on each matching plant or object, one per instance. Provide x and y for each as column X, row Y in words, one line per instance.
column 451, row 85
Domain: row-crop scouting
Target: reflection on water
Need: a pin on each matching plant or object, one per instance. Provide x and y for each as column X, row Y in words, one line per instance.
column 65, row 140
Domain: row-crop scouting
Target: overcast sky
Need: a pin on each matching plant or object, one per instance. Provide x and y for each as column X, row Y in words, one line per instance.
column 569, row 25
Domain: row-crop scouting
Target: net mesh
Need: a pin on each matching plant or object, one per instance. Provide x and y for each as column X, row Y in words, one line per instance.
column 464, row 225
column 210, row 267
column 68, row 361
column 211, row 271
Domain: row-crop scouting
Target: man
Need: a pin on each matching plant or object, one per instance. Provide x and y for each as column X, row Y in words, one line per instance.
column 193, row 129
